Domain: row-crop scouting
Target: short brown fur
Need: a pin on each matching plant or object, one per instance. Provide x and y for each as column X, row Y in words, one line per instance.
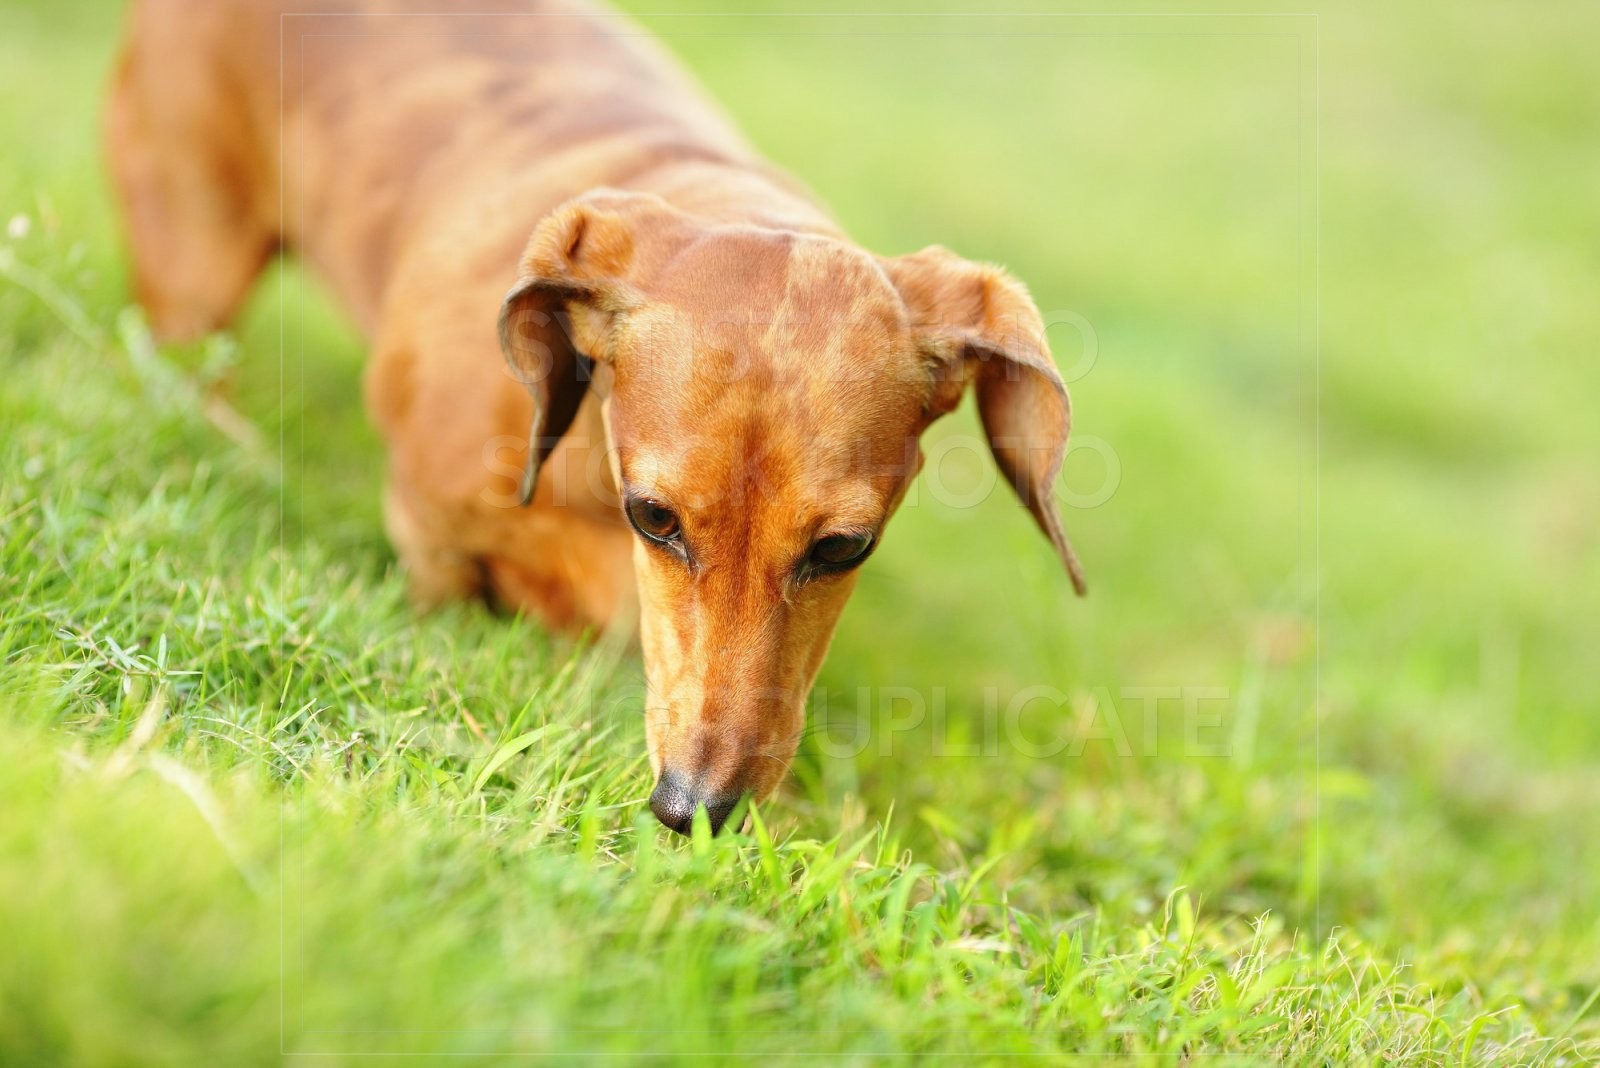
column 685, row 324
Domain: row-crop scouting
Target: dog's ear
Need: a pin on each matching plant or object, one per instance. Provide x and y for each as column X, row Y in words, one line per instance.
column 572, row 282
column 978, row 326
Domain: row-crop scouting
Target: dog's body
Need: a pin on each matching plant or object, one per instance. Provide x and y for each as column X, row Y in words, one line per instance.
column 759, row 382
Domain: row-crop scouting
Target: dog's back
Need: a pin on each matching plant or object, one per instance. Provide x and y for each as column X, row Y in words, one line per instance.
column 237, row 126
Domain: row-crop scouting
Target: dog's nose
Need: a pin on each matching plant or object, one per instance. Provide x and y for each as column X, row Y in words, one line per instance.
column 675, row 799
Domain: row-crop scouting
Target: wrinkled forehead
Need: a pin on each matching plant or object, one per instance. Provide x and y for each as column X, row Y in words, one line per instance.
column 778, row 358
column 742, row 303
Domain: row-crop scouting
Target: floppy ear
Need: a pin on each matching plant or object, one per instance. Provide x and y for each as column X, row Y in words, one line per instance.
column 572, row 281
column 979, row 326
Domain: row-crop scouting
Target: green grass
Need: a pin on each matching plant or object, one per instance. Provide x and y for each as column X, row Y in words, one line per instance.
column 249, row 804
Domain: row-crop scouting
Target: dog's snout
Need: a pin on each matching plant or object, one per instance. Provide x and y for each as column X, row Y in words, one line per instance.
column 675, row 798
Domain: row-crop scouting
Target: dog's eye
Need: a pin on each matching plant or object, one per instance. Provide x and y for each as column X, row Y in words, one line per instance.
column 837, row 550
column 653, row 519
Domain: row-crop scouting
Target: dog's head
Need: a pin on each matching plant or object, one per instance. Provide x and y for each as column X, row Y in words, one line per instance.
column 764, row 392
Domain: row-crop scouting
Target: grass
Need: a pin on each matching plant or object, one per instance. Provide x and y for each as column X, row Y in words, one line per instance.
column 252, row 806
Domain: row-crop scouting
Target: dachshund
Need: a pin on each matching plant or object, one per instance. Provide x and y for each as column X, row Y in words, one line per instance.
column 628, row 373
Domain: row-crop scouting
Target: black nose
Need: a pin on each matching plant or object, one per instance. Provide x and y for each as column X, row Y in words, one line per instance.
column 675, row 798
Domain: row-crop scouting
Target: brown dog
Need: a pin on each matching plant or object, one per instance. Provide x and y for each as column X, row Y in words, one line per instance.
column 725, row 393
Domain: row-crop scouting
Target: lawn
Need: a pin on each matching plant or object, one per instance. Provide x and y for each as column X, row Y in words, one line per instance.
column 1312, row 775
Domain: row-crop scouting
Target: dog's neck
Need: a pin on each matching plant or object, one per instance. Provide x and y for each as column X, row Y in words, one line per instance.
column 745, row 191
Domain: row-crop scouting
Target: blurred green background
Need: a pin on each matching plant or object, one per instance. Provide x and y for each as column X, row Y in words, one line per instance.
column 1338, row 277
